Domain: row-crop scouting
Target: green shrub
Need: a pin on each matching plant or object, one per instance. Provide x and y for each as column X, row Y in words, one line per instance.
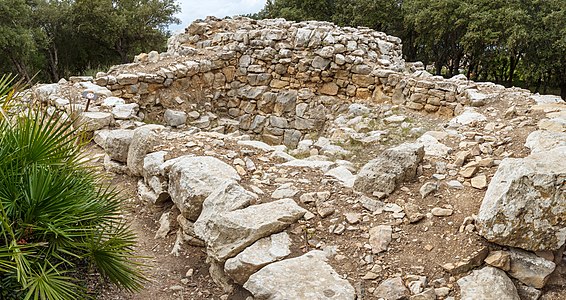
column 58, row 221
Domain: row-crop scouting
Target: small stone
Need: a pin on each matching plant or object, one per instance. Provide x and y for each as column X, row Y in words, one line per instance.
column 428, row 188
column 285, row 191
column 479, row 182
column 372, row 205
column 324, row 210
column 340, row 228
column 455, row 184
column 441, row 212
column 442, row 291
column 499, row 259
column 190, row 273
column 469, row 172
column 370, row 276
column 380, row 237
column 352, row 218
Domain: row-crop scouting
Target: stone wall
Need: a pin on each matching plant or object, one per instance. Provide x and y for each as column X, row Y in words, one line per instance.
column 277, row 80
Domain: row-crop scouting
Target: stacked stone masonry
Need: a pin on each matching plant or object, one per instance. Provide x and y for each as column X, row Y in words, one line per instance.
column 279, row 80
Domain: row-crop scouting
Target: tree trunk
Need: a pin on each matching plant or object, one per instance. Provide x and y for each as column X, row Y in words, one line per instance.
column 22, row 70
column 54, row 64
column 563, row 90
column 514, row 60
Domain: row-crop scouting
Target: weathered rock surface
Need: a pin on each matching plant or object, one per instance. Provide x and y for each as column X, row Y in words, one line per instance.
column 192, row 179
column 525, row 202
column 304, row 277
column 229, row 233
column 389, row 169
column 529, row 268
column 94, row 120
column 542, row 140
column 118, row 143
column 380, row 237
column 143, row 140
column 174, row 117
column 261, row 253
column 391, row 289
column 488, row 283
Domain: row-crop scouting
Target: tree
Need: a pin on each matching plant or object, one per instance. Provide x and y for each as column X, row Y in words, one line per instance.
column 439, row 26
column 125, row 26
column 68, row 37
column 17, row 41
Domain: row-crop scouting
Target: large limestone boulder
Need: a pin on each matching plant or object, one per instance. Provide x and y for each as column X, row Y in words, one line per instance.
column 144, row 140
column 192, row 179
column 261, row 253
column 542, row 140
column 118, row 143
column 227, row 234
column 304, row 277
column 488, row 283
column 525, row 203
column 392, row 167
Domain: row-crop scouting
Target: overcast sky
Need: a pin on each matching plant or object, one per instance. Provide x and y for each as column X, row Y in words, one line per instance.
column 200, row 9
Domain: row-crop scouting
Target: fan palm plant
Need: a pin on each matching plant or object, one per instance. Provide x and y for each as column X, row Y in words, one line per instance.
column 57, row 218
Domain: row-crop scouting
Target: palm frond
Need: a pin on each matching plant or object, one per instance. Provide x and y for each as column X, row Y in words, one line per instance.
column 48, row 283
column 112, row 253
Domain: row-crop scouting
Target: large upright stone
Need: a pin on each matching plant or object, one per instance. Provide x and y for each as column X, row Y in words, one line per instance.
column 304, row 277
column 525, row 203
column 488, row 283
column 118, row 143
column 193, row 178
column 143, row 141
column 227, row 234
column 392, row 167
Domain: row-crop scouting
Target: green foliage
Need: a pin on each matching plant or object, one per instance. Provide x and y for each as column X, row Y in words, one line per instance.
column 56, row 215
column 68, row 37
column 509, row 42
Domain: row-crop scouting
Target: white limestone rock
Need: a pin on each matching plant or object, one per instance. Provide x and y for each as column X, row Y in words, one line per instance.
column 143, row 141
column 304, row 277
column 525, row 202
column 118, row 143
column 227, row 234
column 261, row 253
column 488, row 283
column 193, row 178
column 392, row 167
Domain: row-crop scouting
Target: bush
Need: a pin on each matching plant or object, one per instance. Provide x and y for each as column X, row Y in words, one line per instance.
column 58, row 219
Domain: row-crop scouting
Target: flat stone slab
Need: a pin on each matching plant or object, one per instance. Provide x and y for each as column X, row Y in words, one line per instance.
column 227, row 234
column 261, row 253
column 304, row 277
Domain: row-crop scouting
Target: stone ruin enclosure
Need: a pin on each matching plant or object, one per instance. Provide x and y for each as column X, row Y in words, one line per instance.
column 234, row 83
column 279, row 81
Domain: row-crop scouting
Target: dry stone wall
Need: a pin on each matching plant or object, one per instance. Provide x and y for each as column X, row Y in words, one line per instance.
column 277, row 80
